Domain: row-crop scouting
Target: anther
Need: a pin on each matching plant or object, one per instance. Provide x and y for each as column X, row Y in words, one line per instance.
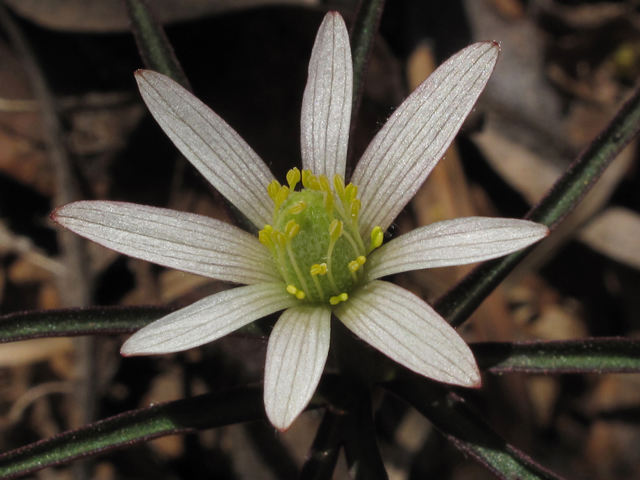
column 279, row 239
column 305, row 178
column 355, row 208
column 294, row 291
column 353, row 266
column 291, row 229
column 265, row 238
column 335, row 230
column 298, row 207
column 293, row 177
column 273, row 189
column 338, row 184
column 281, row 196
column 343, row 297
column 376, row 238
column 318, row 269
column 324, row 183
column 350, row 193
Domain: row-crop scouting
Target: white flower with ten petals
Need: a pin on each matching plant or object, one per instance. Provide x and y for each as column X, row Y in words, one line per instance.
column 320, row 247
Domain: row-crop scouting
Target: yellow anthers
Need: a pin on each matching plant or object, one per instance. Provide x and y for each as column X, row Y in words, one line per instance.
column 376, row 238
column 355, row 208
column 335, row 230
column 361, row 260
column 291, row 229
column 273, row 189
column 309, row 180
column 265, row 238
column 294, row 291
column 350, row 193
column 343, row 297
column 353, row 266
column 279, row 239
column 329, row 202
column 325, row 186
column 281, row 196
column 293, row 177
column 305, row 178
column 338, row 184
column 318, row 269
column 298, row 207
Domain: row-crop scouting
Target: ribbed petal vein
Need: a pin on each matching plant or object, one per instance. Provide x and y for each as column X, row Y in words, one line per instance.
column 326, row 105
column 185, row 241
column 416, row 136
column 297, row 351
column 409, row 331
column 212, row 146
column 209, row 319
column 453, row 242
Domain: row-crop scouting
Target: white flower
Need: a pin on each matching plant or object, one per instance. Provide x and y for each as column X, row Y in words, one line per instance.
column 318, row 249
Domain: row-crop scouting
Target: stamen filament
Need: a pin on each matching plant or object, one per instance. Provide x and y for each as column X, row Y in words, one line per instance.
column 294, row 264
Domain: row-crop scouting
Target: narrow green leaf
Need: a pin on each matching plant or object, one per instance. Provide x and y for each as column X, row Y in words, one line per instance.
column 73, row 322
column 363, row 33
column 323, row 455
column 70, row 322
column 153, row 45
column 360, row 446
column 466, row 430
column 591, row 355
column 457, row 304
column 196, row 413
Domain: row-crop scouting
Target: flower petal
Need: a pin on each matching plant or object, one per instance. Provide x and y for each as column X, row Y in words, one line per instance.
column 212, row 146
column 185, row 241
column 209, row 319
column 326, row 105
column 409, row 331
column 453, row 242
column 297, row 351
column 416, row 136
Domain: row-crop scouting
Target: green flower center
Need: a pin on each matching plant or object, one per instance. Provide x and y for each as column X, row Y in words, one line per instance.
column 315, row 238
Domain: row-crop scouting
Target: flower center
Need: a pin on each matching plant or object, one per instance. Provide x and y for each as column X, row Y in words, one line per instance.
column 315, row 238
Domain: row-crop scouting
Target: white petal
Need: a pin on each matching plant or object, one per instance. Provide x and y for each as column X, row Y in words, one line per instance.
column 185, row 241
column 326, row 105
column 409, row 331
column 453, row 242
column 418, row 133
column 209, row 319
column 297, row 351
column 212, row 146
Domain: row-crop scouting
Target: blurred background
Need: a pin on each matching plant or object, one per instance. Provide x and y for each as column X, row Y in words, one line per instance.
column 72, row 125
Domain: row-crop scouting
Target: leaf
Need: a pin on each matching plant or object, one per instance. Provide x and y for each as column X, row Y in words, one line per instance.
column 592, row 355
column 466, row 430
column 180, row 416
column 459, row 302
column 68, row 322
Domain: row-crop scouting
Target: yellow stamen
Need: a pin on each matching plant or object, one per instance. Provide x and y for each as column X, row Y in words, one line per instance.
column 305, row 178
column 273, row 189
column 293, row 177
column 338, row 185
column 355, row 209
column 377, row 238
column 294, row 291
column 291, row 229
column 298, row 207
column 325, row 186
column 281, row 196
column 350, row 193
column 318, row 269
column 343, row 297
